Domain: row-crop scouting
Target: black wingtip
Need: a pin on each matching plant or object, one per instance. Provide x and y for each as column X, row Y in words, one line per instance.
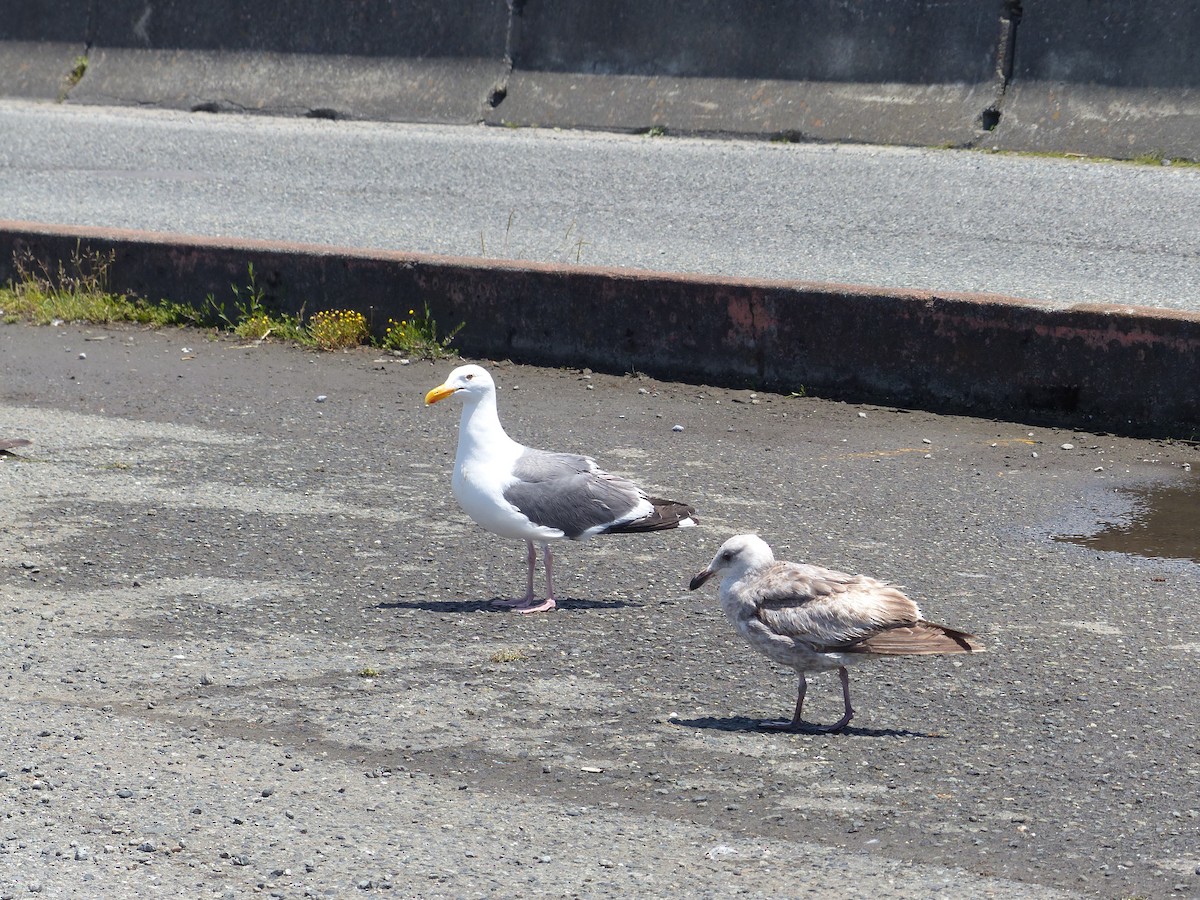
column 8, row 444
column 666, row 514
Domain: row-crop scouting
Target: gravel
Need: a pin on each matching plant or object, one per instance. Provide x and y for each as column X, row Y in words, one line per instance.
column 248, row 648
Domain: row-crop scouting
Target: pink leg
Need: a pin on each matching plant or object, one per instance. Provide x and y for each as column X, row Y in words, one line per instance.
column 796, row 721
column 798, row 724
column 849, row 714
column 531, row 560
column 548, row 603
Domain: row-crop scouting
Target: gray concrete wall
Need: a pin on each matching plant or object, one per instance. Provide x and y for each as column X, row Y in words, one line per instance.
column 375, row 28
column 887, row 72
column 1107, row 77
column 38, row 46
column 411, row 60
column 915, row 41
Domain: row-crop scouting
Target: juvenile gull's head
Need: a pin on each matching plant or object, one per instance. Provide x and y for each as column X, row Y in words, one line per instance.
column 740, row 554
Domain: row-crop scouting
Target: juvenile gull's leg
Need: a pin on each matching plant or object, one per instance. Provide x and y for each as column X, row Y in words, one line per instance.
column 796, row 721
column 798, row 724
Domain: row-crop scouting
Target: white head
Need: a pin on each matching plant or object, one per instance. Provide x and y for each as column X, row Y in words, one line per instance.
column 740, row 554
column 470, row 382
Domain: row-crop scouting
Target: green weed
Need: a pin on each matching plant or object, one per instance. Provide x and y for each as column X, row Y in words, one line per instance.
column 417, row 336
column 74, row 293
column 255, row 328
column 216, row 314
column 247, row 316
column 335, row 329
column 79, row 292
column 1159, row 158
column 78, row 70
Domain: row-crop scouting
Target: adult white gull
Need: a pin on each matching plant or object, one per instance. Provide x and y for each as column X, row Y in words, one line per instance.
column 538, row 496
column 814, row 620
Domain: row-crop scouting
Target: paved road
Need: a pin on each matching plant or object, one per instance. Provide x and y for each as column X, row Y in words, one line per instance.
column 1060, row 231
column 245, row 643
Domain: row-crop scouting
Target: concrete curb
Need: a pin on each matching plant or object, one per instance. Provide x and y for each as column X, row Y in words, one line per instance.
column 1128, row 370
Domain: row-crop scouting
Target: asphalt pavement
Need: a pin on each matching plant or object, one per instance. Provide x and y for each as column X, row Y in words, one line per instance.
column 1057, row 230
column 248, row 648
column 248, row 644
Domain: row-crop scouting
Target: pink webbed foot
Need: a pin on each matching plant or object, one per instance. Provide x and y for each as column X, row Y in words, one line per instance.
column 527, row 604
column 541, row 606
column 514, row 602
column 801, row 727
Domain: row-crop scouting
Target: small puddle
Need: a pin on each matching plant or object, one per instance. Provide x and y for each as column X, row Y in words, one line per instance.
column 1164, row 523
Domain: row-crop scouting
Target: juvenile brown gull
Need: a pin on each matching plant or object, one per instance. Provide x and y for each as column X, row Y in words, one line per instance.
column 536, row 495
column 813, row 619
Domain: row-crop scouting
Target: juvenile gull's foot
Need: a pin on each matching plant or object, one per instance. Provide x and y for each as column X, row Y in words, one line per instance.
column 800, row 727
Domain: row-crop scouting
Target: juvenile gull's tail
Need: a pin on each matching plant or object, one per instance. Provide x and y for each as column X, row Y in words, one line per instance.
column 920, row 639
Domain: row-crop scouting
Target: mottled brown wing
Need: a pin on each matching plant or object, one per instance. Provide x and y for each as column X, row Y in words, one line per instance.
column 829, row 609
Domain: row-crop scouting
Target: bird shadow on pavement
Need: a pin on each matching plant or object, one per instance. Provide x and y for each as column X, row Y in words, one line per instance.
column 469, row 606
column 743, row 724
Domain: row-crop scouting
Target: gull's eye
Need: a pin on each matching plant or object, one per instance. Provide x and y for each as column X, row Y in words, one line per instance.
column 469, row 376
column 727, row 556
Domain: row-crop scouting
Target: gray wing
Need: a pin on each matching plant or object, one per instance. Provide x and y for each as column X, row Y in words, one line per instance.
column 829, row 610
column 568, row 492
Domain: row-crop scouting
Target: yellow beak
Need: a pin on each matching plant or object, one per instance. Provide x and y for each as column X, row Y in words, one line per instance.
column 441, row 392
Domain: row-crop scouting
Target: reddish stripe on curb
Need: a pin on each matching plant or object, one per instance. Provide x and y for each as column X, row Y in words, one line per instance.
column 1125, row 369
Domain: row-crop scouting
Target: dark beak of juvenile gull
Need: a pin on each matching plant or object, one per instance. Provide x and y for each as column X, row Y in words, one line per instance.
column 699, row 578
